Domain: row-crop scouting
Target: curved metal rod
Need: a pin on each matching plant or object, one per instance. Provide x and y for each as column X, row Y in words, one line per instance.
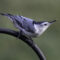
column 26, row 40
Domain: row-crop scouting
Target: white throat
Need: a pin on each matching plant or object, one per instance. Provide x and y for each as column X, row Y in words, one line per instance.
column 39, row 30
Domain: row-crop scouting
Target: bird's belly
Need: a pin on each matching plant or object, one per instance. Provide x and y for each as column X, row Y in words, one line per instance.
column 30, row 34
column 39, row 32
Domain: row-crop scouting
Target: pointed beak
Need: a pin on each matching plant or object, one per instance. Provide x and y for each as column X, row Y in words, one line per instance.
column 52, row 21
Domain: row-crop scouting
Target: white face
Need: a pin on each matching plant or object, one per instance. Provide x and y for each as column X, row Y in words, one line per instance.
column 42, row 27
column 45, row 25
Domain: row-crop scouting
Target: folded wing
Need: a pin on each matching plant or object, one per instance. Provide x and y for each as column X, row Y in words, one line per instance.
column 21, row 22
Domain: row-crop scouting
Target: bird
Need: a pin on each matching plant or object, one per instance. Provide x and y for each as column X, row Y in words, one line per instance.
column 28, row 27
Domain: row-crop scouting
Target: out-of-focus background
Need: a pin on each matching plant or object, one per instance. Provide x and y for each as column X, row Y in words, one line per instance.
column 12, row 48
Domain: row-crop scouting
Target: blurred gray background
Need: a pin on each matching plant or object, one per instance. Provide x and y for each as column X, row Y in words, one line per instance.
column 12, row 48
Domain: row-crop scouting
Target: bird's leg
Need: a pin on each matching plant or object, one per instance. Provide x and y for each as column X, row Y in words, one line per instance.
column 30, row 39
column 20, row 33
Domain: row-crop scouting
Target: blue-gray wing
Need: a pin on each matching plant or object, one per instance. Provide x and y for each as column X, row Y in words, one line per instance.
column 21, row 22
column 28, row 24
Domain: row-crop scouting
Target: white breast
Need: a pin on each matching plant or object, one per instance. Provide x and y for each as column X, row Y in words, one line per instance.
column 39, row 30
column 36, row 28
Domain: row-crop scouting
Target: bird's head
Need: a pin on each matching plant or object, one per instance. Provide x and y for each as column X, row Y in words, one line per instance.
column 42, row 26
column 45, row 25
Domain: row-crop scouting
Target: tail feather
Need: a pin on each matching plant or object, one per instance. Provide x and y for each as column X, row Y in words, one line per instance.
column 13, row 18
column 10, row 16
column 6, row 14
column 2, row 14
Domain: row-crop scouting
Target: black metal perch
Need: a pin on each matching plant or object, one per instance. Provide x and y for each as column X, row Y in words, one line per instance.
column 26, row 40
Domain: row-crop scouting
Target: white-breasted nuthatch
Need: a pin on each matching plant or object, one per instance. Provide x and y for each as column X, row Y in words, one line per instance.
column 27, row 26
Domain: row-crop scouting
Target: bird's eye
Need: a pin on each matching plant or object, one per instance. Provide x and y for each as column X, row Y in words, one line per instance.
column 45, row 24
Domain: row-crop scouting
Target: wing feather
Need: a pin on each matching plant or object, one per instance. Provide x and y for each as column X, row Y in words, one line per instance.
column 21, row 22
